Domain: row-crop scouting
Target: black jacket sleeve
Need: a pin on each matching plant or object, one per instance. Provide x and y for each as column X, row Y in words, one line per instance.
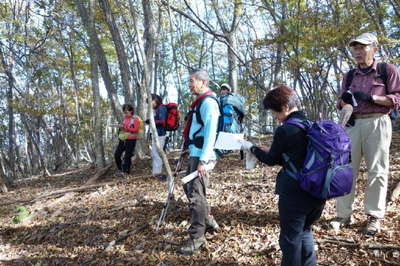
column 274, row 155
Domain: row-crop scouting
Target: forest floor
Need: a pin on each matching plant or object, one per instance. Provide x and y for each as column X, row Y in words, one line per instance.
column 55, row 226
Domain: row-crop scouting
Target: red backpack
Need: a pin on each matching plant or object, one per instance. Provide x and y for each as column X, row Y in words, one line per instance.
column 173, row 117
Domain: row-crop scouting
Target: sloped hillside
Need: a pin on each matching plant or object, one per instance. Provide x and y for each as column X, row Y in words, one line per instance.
column 60, row 221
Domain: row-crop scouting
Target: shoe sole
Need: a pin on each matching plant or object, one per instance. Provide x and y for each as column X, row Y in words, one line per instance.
column 371, row 233
column 188, row 253
column 192, row 252
column 212, row 230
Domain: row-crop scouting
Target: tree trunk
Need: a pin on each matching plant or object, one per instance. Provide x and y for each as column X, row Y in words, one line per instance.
column 94, row 77
column 230, row 37
column 147, row 53
column 105, row 72
column 120, row 49
column 10, row 109
column 149, row 50
column 11, row 128
column 232, row 63
column 3, row 181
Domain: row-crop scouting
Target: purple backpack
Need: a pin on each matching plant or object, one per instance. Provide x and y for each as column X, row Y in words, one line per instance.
column 326, row 172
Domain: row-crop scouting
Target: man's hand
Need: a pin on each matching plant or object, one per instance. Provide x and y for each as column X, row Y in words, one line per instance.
column 246, row 145
column 201, row 169
column 347, row 97
column 341, row 103
column 362, row 96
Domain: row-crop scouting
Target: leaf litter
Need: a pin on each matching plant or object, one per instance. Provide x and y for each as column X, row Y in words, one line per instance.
column 114, row 224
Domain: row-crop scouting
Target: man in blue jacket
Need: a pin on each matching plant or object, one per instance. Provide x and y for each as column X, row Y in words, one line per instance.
column 202, row 135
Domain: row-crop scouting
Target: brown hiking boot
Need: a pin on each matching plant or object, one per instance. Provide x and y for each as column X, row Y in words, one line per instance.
column 373, row 225
column 192, row 246
column 211, row 225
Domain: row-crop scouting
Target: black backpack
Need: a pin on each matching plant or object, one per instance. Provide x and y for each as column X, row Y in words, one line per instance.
column 381, row 73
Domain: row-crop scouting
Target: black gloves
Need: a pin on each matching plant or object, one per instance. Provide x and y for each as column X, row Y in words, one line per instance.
column 362, row 96
column 147, row 121
column 347, row 97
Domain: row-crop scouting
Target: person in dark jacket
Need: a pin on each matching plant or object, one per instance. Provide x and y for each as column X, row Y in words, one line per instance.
column 160, row 118
column 297, row 209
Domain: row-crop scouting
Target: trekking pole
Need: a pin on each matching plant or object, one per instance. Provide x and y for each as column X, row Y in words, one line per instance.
column 171, row 186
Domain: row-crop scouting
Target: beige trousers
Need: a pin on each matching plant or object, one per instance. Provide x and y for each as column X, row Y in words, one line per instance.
column 370, row 138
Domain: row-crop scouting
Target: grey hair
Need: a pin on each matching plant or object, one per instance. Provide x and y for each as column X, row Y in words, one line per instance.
column 293, row 100
column 200, row 74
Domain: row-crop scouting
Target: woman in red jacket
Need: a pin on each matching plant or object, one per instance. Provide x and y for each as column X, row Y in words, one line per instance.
column 128, row 133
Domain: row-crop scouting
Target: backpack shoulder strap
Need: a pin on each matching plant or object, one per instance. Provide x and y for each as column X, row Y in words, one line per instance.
column 382, row 73
column 198, row 106
column 198, row 115
column 349, row 78
column 303, row 124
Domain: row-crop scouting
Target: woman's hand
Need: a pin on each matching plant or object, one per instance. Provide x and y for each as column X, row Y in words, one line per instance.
column 246, row 145
column 264, row 148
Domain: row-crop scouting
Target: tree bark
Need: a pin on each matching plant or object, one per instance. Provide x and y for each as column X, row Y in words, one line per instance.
column 230, row 37
column 94, row 77
column 10, row 110
column 105, row 72
column 146, row 52
column 119, row 48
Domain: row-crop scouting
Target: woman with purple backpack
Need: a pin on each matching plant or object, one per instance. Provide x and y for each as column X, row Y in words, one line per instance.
column 298, row 210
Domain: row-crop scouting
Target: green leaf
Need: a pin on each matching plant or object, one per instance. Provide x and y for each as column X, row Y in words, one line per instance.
column 22, row 213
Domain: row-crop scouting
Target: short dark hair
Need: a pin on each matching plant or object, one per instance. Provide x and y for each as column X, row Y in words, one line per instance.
column 279, row 97
column 157, row 98
column 127, row 107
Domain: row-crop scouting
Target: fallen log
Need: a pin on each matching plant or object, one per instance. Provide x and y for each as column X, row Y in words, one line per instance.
column 43, row 210
column 101, row 172
column 61, row 191
column 75, row 189
column 124, row 234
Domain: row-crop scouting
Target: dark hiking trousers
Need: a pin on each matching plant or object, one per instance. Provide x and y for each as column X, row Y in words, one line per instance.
column 196, row 193
column 296, row 239
column 127, row 147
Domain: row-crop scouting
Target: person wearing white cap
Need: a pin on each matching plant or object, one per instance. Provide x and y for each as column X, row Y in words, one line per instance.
column 225, row 89
column 371, row 132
